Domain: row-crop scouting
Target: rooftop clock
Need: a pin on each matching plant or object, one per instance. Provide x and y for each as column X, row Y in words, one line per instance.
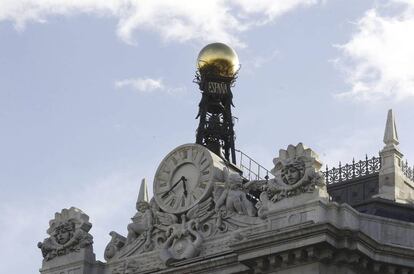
column 185, row 177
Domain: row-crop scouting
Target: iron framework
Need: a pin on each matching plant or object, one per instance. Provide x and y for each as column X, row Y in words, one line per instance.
column 216, row 126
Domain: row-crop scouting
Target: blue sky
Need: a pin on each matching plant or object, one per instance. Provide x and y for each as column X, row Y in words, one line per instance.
column 94, row 93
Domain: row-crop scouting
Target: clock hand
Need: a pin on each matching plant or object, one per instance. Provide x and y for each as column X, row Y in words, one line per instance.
column 184, row 185
column 168, row 192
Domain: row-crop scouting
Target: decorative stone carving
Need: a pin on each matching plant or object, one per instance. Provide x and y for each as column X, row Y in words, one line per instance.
column 180, row 236
column 116, row 243
column 68, row 233
column 142, row 222
column 227, row 209
column 183, row 242
column 296, row 171
column 127, row 267
column 233, row 196
column 140, row 231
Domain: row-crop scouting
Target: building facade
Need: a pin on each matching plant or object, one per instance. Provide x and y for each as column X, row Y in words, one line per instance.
column 210, row 214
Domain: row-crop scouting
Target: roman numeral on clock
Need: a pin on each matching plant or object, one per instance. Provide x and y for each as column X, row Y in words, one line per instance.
column 174, row 161
column 202, row 185
column 172, row 202
column 162, row 184
column 202, row 160
column 194, row 154
column 183, row 154
column 166, row 169
column 166, row 196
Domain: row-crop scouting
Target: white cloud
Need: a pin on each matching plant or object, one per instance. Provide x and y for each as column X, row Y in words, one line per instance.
column 141, row 84
column 181, row 20
column 379, row 58
column 148, row 85
column 269, row 10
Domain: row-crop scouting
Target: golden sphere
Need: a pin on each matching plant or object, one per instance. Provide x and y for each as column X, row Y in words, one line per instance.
column 218, row 59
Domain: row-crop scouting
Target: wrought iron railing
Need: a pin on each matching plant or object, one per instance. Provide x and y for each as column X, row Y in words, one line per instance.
column 352, row 171
column 408, row 170
column 251, row 169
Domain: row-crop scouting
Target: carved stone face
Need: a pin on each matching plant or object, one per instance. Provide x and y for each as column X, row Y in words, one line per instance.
column 63, row 234
column 236, row 181
column 291, row 174
column 142, row 207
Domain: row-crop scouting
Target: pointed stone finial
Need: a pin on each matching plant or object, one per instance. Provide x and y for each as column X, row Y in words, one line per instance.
column 143, row 192
column 391, row 135
column 391, row 181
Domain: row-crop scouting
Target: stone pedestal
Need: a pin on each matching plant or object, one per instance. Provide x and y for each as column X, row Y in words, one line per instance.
column 81, row 262
column 319, row 194
column 390, row 174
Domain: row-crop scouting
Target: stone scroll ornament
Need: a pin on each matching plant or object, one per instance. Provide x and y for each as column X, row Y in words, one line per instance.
column 68, row 233
column 296, row 171
column 183, row 242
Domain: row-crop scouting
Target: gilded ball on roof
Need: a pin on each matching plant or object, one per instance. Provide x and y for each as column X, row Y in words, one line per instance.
column 218, row 59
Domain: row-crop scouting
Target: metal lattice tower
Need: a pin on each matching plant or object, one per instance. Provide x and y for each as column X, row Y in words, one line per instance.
column 216, row 128
column 218, row 65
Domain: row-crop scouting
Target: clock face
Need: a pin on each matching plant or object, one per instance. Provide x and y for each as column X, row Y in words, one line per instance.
column 183, row 178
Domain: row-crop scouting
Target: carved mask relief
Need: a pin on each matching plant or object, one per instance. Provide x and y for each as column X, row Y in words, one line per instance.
column 63, row 232
column 292, row 173
column 296, row 171
column 68, row 233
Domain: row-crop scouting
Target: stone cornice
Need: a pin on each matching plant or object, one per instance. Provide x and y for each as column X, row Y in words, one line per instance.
column 321, row 243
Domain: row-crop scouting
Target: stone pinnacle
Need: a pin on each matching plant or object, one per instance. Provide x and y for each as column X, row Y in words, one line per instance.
column 143, row 192
column 390, row 134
